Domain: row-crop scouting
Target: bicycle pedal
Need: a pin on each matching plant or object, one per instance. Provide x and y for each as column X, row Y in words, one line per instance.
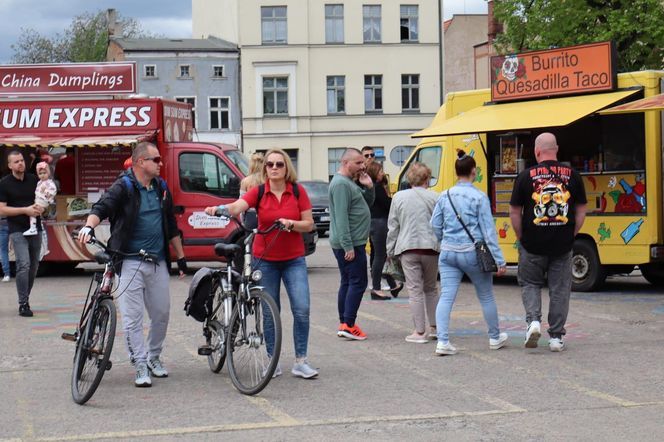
column 204, row 350
column 69, row 336
column 109, row 364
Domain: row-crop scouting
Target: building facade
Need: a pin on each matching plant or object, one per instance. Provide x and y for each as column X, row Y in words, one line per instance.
column 318, row 76
column 463, row 69
column 201, row 72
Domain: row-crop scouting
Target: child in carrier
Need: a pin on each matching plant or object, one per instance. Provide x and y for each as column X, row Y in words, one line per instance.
column 44, row 194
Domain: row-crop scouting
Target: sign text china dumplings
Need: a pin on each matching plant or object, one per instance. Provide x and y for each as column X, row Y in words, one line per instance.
column 562, row 71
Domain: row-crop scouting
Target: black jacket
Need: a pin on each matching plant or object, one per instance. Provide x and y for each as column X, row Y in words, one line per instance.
column 121, row 206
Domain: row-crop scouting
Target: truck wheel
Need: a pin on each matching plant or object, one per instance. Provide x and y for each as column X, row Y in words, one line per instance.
column 588, row 274
column 654, row 273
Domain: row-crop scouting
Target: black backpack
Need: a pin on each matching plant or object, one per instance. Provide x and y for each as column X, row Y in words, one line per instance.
column 199, row 302
column 309, row 238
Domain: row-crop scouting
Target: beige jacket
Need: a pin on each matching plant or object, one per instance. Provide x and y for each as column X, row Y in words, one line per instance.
column 409, row 223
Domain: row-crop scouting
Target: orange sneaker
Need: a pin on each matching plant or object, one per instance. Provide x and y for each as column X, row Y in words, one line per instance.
column 341, row 327
column 354, row 332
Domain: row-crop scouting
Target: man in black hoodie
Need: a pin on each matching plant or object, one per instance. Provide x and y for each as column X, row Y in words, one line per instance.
column 140, row 209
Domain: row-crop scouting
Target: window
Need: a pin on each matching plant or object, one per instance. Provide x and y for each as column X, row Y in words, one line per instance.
column 409, row 31
column 273, row 25
column 371, row 23
column 410, row 92
column 334, row 160
column 429, row 156
column 204, row 172
column 184, row 71
column 239, row 160
column 336, row 95
column 275, row 95
column 219, row 113
column 373, row 93
column 150, row 71
column 192, row 101
column 218, row 71
column 334, row 23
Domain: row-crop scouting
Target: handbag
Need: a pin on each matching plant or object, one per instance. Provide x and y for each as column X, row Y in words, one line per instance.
column 393, row 268
column 485, row 259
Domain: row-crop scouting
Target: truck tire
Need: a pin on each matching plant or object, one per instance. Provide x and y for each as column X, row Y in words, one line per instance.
column 654, row 273
column 588, row 274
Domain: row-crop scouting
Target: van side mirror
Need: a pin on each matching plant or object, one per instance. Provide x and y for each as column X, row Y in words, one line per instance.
column 234, row 187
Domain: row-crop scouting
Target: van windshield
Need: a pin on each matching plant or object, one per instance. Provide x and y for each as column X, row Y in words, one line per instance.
column 239, row 160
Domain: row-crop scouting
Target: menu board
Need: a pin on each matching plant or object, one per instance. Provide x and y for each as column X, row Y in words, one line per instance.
column 502, row 193
column 99, row 167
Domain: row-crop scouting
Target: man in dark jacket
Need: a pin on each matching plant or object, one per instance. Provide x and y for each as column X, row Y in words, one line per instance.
column 140, row 209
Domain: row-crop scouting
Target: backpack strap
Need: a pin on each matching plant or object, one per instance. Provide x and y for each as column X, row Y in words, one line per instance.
column 261, row 192
column 128, row 184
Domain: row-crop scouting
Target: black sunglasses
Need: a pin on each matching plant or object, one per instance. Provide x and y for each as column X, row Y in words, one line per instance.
column 369, row 155
column 156, row 160
column 278, row 164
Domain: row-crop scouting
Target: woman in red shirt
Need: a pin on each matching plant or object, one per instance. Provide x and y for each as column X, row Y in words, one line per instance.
column 280, row 255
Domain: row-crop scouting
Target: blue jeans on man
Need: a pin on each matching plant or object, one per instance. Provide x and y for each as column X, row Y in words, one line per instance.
column 293, row 273
column 26, row 251
column 4, row 246
column 452, row 267
column 354, row 282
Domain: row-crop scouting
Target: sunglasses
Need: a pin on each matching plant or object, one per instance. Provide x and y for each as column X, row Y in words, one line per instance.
column 278, row 164
column 369, row 155
column 156, row 160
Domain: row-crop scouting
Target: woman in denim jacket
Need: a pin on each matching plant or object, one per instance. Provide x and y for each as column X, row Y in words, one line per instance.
column 458, row 256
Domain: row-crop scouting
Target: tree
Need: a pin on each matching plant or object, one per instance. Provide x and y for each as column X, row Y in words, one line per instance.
column 85, row 39
column 635, row 26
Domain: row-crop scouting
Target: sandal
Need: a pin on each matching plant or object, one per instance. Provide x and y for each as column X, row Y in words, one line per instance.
column 395, row 291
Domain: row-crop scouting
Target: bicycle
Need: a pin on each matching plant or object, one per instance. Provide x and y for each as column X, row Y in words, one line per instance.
column 244, row 322
column 95, row 333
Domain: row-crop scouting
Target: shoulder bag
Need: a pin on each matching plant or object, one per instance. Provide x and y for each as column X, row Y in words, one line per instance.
column 485, row 259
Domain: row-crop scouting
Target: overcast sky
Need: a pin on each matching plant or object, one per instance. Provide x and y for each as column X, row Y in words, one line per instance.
column 171, row 18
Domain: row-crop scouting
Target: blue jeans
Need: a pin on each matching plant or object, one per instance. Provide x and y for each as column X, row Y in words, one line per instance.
column 294, row 275
column 353, row 283
column 26, row 250
column 4, row 246
column 452, row 267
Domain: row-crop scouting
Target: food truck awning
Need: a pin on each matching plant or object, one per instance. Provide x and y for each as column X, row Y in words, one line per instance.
column 645, row 104
column 524, row 115
column 82, row 141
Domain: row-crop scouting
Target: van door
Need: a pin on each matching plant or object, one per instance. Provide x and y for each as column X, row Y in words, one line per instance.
column 202, row 177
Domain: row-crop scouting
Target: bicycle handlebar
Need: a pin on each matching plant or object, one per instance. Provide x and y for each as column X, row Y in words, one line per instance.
column 276, row 224
column 145, row 256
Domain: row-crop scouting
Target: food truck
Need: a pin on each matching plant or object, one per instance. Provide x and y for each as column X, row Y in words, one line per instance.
column 576, row 94
column 87, row 141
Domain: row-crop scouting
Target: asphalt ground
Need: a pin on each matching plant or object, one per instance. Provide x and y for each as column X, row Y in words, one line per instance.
column 608, row 385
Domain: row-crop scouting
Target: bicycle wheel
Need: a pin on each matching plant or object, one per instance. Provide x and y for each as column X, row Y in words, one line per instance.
column 250, row 362
column 93, row 351
column 216, row 340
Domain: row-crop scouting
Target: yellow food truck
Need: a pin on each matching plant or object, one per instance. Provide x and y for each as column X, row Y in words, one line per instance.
column 603, row 130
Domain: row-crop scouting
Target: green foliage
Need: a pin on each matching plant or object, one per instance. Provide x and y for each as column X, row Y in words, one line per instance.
column 635, row 26
column 84, row 40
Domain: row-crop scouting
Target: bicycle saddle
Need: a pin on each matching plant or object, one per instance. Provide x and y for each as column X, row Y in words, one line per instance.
column 227, row 250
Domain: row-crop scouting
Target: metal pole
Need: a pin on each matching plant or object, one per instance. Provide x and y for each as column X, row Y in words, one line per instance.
column 441, row 48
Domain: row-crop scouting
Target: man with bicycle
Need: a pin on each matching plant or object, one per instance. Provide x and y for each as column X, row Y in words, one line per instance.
column 140, row 209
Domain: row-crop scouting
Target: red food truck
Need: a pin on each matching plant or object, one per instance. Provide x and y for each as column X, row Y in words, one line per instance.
column 88, row 140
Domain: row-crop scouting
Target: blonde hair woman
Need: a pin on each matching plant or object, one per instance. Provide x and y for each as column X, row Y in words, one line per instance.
column 255, row 176
column 280, row 255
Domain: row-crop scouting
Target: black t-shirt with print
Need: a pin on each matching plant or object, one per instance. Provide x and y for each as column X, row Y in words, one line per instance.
column 19, row 193
column 548, row 193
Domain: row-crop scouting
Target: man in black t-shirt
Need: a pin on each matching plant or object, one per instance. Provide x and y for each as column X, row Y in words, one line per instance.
column 17, row 203
column 547, row 210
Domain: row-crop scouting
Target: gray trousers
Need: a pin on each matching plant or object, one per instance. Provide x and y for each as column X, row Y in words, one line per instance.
column 144, row 286
column 421, row 272
column 26, row 251
column 533, row 273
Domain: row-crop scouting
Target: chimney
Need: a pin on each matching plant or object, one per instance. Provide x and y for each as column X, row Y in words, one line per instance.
column 495, row 27
column 111, row 22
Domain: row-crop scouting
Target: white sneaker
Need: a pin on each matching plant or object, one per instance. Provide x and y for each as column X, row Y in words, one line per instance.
column 445, row 349
column 495, row 344
column 6, row 278
column 304, row 370
column 533, row 334
column 156, row 368
column 142, row 375
column 277, row 371
column 30, row 232
column 556, row 344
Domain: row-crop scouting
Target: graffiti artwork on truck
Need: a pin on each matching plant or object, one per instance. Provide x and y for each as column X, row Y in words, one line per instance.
column 625, row 193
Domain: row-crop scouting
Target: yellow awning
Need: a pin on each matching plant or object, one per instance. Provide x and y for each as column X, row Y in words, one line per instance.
column 552, row 112
column 645, row 104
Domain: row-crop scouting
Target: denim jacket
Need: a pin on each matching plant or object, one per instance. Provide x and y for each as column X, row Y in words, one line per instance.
column 474, row 208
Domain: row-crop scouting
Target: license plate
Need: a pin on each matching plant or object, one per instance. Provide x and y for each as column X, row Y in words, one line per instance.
column 324, row 218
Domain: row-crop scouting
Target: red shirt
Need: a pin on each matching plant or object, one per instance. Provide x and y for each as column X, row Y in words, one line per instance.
column 286, row 245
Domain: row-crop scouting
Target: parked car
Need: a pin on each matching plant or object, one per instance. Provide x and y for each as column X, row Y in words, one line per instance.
column 320, row 202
